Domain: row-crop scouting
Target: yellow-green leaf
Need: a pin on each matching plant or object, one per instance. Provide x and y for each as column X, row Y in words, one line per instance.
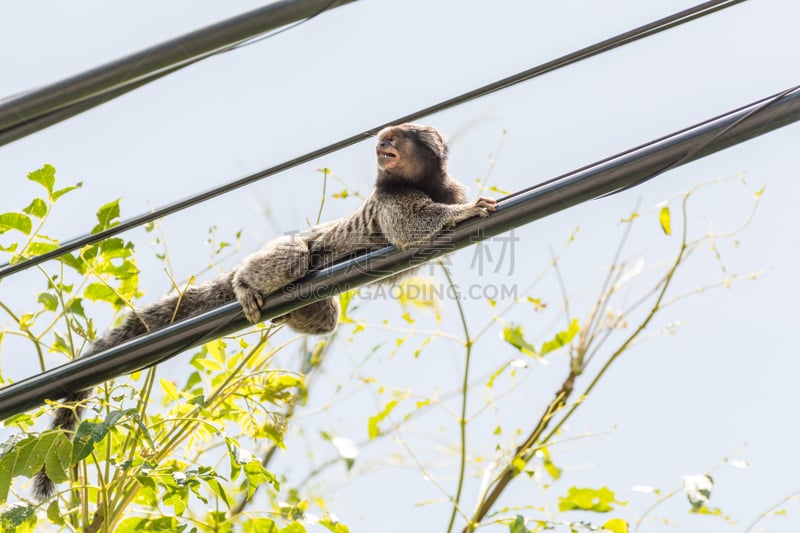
column 45, row 176
column 107, row 216
column 616, row 525
column 217, row 349
column 344, row 302
column 169, row 389
column 587, row 499
column 549, row 466
column 333, row 524
column 664, row 219
column 210, row 365
column 17, row 221
column 418, row 292
column 37, row 208
column 40, row 247
column 372, row 423
column 101, row 292
column 514, row 336
column 562, row 338
column 259, row 525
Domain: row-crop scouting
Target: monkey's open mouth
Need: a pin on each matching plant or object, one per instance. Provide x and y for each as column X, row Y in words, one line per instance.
column 386, row 155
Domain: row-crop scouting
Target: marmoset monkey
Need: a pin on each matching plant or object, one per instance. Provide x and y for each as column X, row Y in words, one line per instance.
column 414, row 198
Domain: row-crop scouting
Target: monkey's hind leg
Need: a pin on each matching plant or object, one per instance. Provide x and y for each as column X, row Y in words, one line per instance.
column 318, row 318
column 279, row 262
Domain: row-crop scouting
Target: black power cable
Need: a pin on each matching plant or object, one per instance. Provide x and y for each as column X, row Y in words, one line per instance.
column 607, row 176
column 652, row 28
column 33, row 110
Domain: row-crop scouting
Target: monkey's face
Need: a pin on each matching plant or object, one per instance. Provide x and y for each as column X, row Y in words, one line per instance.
column 387, row 152
column 411, row 152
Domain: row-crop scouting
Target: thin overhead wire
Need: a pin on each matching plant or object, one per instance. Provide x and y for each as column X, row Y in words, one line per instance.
column 641, row 32
column 36, row 109
column 612, row 174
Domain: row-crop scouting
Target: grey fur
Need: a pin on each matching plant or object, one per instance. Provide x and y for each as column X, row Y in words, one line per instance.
column 414, row 198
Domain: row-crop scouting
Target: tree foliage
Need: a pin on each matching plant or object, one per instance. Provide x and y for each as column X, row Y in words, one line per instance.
column 199, row 452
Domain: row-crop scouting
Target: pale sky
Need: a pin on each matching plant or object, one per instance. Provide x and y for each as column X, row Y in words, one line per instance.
column 724, row 385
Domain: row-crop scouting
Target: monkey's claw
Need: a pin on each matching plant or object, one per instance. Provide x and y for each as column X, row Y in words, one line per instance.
column 486, row 206
column 251, row 302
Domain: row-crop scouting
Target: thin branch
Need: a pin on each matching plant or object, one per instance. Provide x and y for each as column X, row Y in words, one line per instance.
column 462, row 422
column 771, row 509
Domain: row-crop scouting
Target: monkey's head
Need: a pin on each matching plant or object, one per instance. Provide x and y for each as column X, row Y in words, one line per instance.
column 412, row 153
column 414, row 156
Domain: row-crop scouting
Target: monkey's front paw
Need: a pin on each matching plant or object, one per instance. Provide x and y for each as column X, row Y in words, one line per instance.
column 250, row 300
column 485, row 206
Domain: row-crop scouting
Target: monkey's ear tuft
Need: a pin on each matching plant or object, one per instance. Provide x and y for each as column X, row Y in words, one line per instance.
column 433, row 140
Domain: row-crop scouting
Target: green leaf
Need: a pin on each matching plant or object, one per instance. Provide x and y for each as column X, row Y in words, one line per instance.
column 518, row 526
column 260, row 525
column 100, row 292
column 21, row 419
column 54, row 513
column 16, row 515
column 90, row 433
column 40, row 247
column 664, row 219
column 87, row 434
column 294, row 527
column 114, row 417
column 61, row 192
column 140, row 525
column 257, row 475
column 586, row 499
column 28, row 456
column 219, row 490
column 73, row 262
column 616, row 525
column 513, row 335
column 115, row 247
column 48, row 301
column 62, row 345
column 177, row 499
column 106, row 216
column 75, row 307
column 254, row 471
column 237, row 456
column 372, row 423
column 56, row 462
column 37, row 208
column 10, row 443
column 45, row 176
column 562, row 338
column 17, row 221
